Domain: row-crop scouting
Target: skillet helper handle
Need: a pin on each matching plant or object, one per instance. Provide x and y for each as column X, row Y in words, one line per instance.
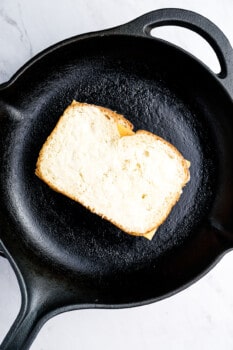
column 143, row 25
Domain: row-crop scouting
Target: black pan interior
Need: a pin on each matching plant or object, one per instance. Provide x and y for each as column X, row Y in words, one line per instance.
column 158, row 88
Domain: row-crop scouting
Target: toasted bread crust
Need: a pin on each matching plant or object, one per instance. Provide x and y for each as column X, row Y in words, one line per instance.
column 118, row 118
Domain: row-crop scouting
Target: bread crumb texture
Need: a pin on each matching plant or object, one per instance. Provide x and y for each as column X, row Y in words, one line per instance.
column 133, row 179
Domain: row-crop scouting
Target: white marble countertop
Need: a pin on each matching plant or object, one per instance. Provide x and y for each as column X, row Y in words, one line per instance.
column 200, row 317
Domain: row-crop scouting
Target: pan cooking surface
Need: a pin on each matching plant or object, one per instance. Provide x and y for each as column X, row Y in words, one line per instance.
column 145, row 85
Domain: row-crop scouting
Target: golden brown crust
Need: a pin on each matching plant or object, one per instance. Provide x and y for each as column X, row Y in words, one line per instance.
column 118, row 118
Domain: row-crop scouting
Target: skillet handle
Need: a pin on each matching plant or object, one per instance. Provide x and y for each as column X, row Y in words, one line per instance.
column 25, row 326
column 42, row 297
column 1, row 251
column 201, row 25
column 22, row 332
column 34, row 312
column 2, row 254
column 3, row 86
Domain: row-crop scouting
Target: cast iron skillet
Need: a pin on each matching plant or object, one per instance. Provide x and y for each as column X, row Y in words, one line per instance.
column 68, row 258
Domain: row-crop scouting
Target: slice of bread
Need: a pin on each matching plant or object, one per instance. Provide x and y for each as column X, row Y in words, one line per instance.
column 132, row 179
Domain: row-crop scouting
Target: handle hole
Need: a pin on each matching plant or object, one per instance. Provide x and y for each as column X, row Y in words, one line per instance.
column 191, row 42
